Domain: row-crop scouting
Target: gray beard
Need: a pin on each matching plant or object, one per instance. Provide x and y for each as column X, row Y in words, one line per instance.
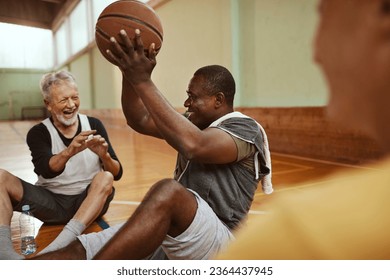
column 67, row 122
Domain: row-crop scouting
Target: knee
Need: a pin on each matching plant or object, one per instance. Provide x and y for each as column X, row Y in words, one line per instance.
column 5, row 177
column 104, row 181
column 166, row 190
column 10, row 185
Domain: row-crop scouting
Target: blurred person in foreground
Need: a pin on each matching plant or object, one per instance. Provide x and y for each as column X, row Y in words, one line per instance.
column 346, row 218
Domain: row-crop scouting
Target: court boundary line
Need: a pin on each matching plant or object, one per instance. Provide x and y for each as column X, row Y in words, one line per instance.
column 323, row 161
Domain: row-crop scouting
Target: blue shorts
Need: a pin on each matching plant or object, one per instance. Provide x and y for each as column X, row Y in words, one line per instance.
column 205, row 237
column 52, row 208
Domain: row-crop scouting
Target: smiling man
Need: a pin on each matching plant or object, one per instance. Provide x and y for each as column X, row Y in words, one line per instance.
column 75, row 165
column 222, row 157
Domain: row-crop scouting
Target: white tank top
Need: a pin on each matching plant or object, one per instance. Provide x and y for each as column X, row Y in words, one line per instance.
column 79, row 170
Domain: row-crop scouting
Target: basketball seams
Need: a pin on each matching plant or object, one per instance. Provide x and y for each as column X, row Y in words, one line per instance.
column 121, row 3
column 107, row 37
column 141, row 22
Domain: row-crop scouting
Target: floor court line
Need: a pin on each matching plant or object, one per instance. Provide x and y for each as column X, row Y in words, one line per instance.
column 302, row 186
column 124, row 202
column 292, row 170
column 321, row 161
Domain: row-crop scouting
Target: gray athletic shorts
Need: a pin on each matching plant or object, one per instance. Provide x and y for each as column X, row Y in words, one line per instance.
column 205, row 237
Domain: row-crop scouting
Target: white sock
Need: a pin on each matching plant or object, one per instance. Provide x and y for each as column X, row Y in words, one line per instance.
column 73, row 229
column 7, row 251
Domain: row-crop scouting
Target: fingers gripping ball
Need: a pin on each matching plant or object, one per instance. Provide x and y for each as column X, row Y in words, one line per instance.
column 128, row 15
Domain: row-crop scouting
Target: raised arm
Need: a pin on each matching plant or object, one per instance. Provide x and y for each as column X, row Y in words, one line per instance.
column 203, row 145
column 136, row 114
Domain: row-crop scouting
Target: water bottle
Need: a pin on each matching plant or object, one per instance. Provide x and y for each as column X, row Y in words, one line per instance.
column 27, row 231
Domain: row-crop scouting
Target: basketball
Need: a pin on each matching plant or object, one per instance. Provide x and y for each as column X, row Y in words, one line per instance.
column 128, row 15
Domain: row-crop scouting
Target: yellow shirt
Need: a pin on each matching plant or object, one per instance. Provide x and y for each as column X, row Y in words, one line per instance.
column 345, row 217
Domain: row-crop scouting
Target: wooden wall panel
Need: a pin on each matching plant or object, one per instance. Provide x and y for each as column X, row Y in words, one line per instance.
column 305, row 131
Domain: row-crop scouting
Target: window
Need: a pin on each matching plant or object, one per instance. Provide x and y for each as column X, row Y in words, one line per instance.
column 61, row 43
column 34, row 47
column 79, row 27
column 31, row 48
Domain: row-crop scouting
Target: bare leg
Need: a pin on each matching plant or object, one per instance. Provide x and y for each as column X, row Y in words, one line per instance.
column 11, row 189
column 168, row 208
column 74, row 251
column 100, row 189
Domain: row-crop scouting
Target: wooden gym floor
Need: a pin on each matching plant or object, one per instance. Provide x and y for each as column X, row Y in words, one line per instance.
column 146, row 160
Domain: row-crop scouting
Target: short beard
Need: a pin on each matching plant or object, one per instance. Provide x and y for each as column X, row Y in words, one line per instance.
column 67, row 122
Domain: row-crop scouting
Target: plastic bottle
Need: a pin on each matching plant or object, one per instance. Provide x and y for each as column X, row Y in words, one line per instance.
column 27, row 231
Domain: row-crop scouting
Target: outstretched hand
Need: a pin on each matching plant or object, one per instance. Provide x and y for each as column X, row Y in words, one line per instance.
column 133, row 60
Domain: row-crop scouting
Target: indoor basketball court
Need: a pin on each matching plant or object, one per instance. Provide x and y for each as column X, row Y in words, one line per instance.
column 320, row 95
column 146, row 160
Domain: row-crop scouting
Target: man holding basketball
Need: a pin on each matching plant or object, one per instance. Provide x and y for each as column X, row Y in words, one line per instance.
column 222, row 157
column 347, row 218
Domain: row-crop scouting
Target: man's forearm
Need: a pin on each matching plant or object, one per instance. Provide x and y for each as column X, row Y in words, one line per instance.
column 137, row 115
column 111, row 165
column 58, row 162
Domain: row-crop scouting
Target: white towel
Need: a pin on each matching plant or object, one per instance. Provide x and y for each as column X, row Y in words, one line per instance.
column 266, row 180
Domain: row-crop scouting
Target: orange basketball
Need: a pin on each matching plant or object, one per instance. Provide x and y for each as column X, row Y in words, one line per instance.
column 128, row 15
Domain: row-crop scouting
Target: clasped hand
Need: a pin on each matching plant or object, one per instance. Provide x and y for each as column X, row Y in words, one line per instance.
column 87, row 139
column 135, row 62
